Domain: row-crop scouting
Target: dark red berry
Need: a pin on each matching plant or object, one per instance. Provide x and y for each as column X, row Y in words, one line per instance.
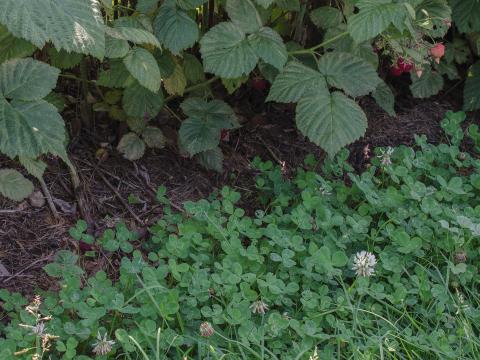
column 259, row 84
column 396, row 71
column 225, row 135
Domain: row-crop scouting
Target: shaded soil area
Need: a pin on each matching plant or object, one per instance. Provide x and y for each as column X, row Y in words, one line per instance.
column 30, row 236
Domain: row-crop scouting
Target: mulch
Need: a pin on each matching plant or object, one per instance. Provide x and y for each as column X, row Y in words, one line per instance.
column 29, row 236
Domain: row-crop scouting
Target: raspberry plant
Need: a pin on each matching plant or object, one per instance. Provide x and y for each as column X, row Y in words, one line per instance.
column 130, row 54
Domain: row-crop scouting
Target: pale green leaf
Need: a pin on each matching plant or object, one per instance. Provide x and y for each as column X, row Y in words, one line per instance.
column 71, row 25
column 244, row 15
column 34, row 167
column 295, row 80
column 117, row 76
column 154, row 137
column 428, row 85
column 140, row 102
column 330, row 120
column 373, row 18
column 27, row 79
column 12, row 47
column 131, row 146
column 269, row 47
column 471, row 92
column 226, row 52
column 384, row 97
column 62, row 59
column 348, row 72
column 175, row 29
column 30, row 128
column 466, row 15
column 116, row 48
column 211, row 159
column 326, row 17
column 176, row 83
column 14, row 185
column 264, row 3
column 132, row 34
column 143, row 67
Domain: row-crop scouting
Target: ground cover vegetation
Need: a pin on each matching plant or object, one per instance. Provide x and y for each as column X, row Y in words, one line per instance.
column 332, row 264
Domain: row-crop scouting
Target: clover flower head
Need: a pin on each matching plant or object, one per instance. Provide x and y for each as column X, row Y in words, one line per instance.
column 259, row 307
column 385, row 156
column 38, row 329
column 206, row 329
column 364, row 263
column 314, row 355
column 102, row 346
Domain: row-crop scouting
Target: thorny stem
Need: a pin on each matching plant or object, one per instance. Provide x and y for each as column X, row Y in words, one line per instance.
column 323, row 44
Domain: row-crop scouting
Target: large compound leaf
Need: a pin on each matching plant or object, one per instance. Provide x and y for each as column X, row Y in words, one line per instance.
column 226, row 52
column 244, row 15
column 175, row 29
column 140, row 102
column 27, row 79
column 295, row 80
column 30, row 128
column 373, row 18
column 12, row 47
column 348, row 72
column 471, row 92
column 428, row 85
column 69, row 24
column 201, row 130
column 330, row 120
column 466, row 15
column 14, row 185
column 143, row 67
column 269, row 46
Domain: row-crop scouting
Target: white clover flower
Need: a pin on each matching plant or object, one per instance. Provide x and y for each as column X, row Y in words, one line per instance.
column 385, row 156
column 102, row 346
column 259, row 307
column 314, row 356
column 364, row 263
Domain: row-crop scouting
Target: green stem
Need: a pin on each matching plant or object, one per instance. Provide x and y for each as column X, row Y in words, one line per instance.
column 193, row 88
column 323, row 44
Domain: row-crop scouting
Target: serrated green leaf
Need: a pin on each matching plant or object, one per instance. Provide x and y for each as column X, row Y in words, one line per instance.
column 12, row 47
column 435, row 13
column 264, row 3
column 373, row 18
column 132, row 34
column 350, row 73
column 471, row 92
column 175, row 29
column 166, row 63
column 428, row 85
column 34, row 167
column 57, row 100
column 211, row 159
column 201, row 130
column 244, row 15
column 295, row 80
column 326, row 17
column 117, row 76
column 131, row 146
column 269, row 47
column 233, row 85
column 143, row 67
column 289, row 5
column 466, row 15
column 226, row 52
column 330, row 120
column 136, row 124
column 138, row 101
column 384, row 97
column 27, row 79
column 69, row 24
column 176, row 83
column 14, row 185
column 193, row 69
column 62, row 59
column 30, row 128
column 116, row 48
column 154, row 137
